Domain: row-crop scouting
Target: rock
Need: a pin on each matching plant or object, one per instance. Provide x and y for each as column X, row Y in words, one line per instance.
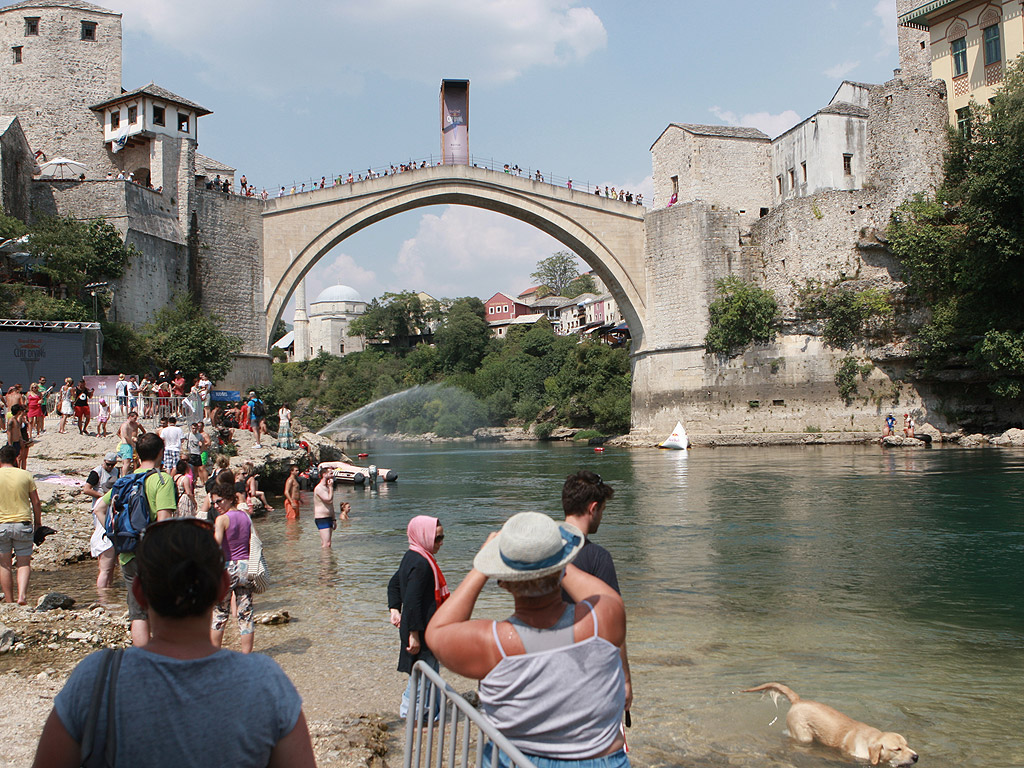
column 76, row 635
column 273, row 617
column 563, row 433
column 503, row 435
column 323, row 447
column 895, row 441
column 1014, row 437
column 42, row 676
column 973, row 441
column 53, row 600
column 7, row 639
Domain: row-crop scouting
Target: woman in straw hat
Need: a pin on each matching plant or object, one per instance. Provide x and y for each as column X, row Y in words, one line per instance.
column 550, row 675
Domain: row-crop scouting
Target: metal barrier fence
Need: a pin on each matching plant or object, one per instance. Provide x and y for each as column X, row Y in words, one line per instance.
column 150, row 409
column 453, row 731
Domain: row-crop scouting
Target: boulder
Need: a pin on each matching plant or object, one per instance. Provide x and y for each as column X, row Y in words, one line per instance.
column 323, row 447
column 51, row 601
column 7, row 639
column 1014, row 437
column 273, row 617
column 896, row 441
column 503, row 435
column 563, row 433
column 973, row 441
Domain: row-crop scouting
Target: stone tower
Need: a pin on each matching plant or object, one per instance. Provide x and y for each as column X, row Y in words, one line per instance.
column 300, row 323
column 915, row 48
column 58, row 58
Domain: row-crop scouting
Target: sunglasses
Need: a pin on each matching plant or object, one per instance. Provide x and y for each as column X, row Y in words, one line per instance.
column 439, row 538
column 220, row 501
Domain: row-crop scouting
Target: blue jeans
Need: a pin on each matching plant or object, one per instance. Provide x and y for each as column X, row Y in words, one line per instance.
column 614, row 760
column 425, row 684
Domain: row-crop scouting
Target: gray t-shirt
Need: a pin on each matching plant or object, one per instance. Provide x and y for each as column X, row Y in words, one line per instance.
column 228, row 709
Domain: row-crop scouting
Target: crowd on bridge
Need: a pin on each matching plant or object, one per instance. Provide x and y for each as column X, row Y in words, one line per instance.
column 327, row 182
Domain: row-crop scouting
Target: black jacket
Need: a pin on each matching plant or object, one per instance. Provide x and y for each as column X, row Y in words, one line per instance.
column 411, row 591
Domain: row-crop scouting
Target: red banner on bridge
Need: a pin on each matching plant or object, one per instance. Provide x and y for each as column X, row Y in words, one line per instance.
column 455, row 122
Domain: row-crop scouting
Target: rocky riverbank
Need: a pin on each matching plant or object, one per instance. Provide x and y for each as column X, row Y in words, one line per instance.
column 39, row 648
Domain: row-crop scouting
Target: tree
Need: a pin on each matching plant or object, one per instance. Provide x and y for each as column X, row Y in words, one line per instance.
column 393, row 317
column 182, row 337
column 557, row 271
column 582, row 284
column 463, row 339
column 963, row 250
column 75, row 253
column 10, row 227
column 742, row 314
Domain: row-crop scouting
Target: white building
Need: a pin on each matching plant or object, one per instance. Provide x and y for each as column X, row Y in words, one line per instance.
column 326, row 327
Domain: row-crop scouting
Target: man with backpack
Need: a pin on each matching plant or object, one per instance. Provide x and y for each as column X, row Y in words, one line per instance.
column 136, row 500
column 257, row 417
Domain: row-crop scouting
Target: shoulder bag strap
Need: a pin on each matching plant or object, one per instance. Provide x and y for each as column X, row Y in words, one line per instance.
column 111, row 746
column 89, row 732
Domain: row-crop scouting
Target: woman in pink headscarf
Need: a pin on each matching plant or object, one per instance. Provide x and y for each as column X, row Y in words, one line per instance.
column 414, row 593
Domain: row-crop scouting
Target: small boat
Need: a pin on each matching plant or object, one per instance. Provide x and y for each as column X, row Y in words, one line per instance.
column 678, row 439
column 350, row 473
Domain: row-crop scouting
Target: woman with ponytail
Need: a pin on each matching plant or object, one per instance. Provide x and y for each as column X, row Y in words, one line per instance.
column 414, row 593
column 169, row 695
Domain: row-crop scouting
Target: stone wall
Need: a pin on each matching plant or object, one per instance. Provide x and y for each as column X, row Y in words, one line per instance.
column 16, row 166
column 914, row 44
column 59, row 78
column 147, row 220
column 228, row 263
column 721, row 170
column 808, row 158
column 907, row 137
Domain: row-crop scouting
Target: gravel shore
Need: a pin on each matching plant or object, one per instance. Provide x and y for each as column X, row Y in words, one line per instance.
column 38, row 649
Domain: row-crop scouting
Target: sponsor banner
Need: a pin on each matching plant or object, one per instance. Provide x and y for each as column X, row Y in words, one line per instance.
column 25, row 355
column 225, row 394
column 455, row 122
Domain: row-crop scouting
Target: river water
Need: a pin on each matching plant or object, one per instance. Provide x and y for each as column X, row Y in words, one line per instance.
column 884, row 583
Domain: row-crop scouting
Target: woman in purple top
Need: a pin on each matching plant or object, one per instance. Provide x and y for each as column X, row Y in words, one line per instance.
column 232, row 529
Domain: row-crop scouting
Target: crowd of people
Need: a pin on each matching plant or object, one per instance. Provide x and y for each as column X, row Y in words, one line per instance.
column 561, row 653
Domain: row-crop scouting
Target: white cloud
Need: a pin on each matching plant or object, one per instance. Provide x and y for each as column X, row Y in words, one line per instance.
column 469, row 252
column 339, row 44
column 885, row 16
column 771, row 124
column 841, row 70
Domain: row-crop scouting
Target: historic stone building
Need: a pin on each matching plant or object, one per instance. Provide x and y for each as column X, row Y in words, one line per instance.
column 968, row 45
column 60, row 84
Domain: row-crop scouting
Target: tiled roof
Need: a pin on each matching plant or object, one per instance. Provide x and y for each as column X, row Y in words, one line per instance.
column 843, row 108
column 77, row 5
column 730, row 131
column 209, row 164
column 154, row 90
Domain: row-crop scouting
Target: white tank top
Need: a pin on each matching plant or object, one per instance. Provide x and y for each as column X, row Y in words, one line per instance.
column 565, row 702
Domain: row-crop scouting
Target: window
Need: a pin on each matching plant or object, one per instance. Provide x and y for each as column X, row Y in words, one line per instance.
column 32, row 26
column 88, row 30
column 490, row 310
column 158, row 116
column 675, row 186
column 803, row 171
column 778, row 185
column 115, row 120
column 959, row 50
column 993, row 50
column 133, row 115
column 183, row 122
column 16, row 50
column 848, row 165
column 792, row 179
column 963, row 122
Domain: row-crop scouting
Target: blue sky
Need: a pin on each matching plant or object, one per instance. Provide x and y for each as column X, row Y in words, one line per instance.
column 581, row 89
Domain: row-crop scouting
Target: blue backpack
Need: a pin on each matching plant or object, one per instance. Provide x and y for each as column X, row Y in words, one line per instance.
column 128, row 514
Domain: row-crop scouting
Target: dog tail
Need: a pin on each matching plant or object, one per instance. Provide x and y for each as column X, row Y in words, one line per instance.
column 774, row 689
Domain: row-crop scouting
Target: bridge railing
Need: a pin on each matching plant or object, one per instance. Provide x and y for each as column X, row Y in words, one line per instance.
column 443, row 730
column 354, row 176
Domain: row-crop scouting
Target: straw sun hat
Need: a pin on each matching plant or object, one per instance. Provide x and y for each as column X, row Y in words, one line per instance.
column 530, row 545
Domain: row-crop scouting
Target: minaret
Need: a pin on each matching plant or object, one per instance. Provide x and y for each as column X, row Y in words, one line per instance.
column 300, row 323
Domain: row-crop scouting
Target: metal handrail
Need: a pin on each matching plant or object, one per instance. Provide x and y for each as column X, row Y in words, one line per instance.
column 452, row 711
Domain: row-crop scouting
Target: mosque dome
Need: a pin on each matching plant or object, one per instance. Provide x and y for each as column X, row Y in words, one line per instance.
column 339, row 293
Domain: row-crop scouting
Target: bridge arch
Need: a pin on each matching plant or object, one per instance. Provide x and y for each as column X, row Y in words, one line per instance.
column 298, row 230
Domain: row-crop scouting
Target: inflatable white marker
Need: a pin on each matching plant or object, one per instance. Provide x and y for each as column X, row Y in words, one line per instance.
column 677, row 439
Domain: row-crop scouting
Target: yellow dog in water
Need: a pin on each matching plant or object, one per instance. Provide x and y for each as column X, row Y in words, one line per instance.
column 810, row 721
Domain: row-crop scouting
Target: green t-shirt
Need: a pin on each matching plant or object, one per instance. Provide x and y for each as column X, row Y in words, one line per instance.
column 160, row 493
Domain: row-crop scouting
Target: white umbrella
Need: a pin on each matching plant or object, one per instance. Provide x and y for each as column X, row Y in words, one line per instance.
column 62, row 163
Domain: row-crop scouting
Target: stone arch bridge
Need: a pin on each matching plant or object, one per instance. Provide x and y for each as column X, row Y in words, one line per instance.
column 607, row 234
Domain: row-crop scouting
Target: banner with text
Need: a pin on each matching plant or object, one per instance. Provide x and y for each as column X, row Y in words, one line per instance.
column 455, row 122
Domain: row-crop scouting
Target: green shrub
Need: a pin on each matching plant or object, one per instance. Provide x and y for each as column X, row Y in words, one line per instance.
column 849, row 315
column 846, row 378
column 544, row 429
column 742, row 314
column 587, row 434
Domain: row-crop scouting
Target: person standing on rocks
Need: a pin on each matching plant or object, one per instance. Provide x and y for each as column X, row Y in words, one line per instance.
column 160, row 498
column 323, row 507
column 99, row 482
column 20, row 515
column 292, row 494
column 129, row 432
column 171, row 435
